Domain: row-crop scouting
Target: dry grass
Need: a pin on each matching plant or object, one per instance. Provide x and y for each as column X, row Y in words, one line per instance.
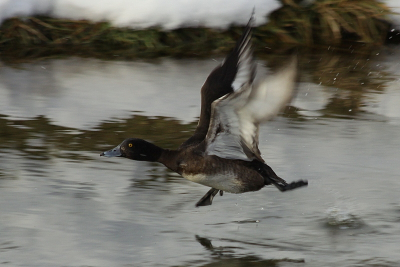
column 330, row 22
column 30, row 35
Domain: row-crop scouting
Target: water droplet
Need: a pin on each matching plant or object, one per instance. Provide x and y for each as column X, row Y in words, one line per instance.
column 377, row 54
column 350, row 110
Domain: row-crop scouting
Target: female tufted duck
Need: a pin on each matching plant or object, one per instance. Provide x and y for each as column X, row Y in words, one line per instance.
column 223, row 151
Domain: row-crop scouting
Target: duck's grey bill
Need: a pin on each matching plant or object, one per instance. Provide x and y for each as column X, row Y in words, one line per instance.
column 115, row 152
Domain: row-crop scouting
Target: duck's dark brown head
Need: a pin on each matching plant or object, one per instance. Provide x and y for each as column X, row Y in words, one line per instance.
column 136, row 149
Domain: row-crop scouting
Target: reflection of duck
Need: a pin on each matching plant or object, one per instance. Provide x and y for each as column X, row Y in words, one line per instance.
column 223, row 152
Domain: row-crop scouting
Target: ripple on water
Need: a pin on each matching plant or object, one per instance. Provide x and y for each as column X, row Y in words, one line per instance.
column 342, row 219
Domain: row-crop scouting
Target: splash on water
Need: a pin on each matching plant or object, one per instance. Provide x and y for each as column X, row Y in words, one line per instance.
column 342, row 219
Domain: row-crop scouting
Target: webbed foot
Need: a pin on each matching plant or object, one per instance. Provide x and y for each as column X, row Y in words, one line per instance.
column 293, row 185
column 283, row 186
column 270, row 177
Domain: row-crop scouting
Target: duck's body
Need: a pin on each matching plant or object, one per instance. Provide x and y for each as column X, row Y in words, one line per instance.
column 233, row 176
column 226, row 175
column 223, row 152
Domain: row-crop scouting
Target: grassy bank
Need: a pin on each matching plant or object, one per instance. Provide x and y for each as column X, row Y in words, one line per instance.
column 325, row 22
column 330, row 22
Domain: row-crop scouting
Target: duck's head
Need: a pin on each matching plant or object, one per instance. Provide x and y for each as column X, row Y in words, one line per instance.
column 136, row 149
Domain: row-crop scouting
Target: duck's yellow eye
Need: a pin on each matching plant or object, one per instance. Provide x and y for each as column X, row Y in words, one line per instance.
column 130, row 145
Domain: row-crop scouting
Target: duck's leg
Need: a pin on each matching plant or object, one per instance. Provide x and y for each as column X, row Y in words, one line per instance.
column 281, row 184
column 285, row 186
column 208, row 198
column 270, row 177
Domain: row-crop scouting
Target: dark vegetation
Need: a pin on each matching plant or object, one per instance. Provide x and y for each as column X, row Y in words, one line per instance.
column 323, row 23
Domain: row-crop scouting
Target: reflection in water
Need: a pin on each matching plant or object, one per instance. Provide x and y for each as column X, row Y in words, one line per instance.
column 61, row 201
column 39, row 138
column 225, row 256
column 352, row 77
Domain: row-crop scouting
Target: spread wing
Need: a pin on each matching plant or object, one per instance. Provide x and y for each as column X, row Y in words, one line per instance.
column 230, row 75
column 235, row 119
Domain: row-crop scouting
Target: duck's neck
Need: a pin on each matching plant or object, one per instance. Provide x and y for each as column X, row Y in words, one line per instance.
column 169, row 159
column 147, row 151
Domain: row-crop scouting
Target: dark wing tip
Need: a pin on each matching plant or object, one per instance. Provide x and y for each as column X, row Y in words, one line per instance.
column 246, row 33
column 252, row 19
column 245, row 62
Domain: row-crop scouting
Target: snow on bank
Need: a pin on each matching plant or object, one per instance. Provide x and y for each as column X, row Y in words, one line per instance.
column 395, row 7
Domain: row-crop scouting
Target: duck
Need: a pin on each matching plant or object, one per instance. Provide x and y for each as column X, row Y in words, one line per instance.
column 223, row 151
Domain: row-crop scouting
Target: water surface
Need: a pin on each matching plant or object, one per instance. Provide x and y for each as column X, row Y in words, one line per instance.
column 63, row 205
